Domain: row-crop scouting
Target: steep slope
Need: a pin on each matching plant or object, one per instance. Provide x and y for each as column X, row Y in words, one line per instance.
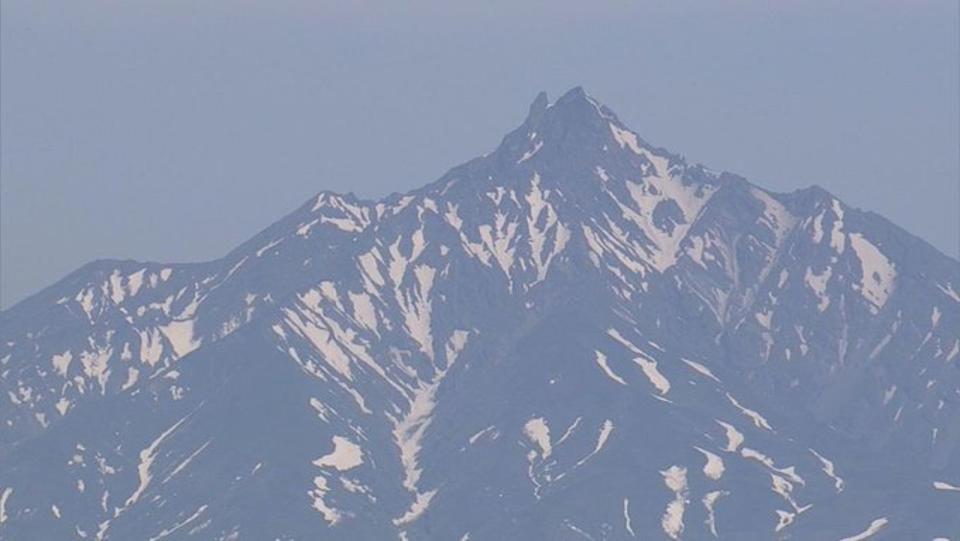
column 576, row 335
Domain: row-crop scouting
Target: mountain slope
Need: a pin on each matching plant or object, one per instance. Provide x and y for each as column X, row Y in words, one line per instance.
column 576, row 335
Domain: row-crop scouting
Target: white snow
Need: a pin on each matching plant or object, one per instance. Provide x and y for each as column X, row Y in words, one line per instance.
column 417, row 308
column 790, row 471
column 784, row 488
column 626, row 139
column 167, row 531
column 537, row 200
column 363, row 310
column 480, row 434
column 785, row 518
column 180, row 334
column 538, row 432
column 602, row 362
column 499, row 240
column 147, row 456
column 345, row 455
column 418, row 507
column 764, row 318
column 874, row 527
column 734, row 437
column 343, row 224
column 659, row 185
column 675, row 478
column 775, row 215
column 186, row 462
column 709, row 501
column 4, row 496
column 757, row 419
column 409, row 429
column 569, row 431
column 132, row 375
column 714, row 467
column 314, row 329
column 320, row 490
column 267, row 246
column 85, row 298
column 947, row 290
column 95, row 365
column 702, row 369
column 837, row 237
column 529, row 154
column 117, row 293
column 878, row 272
column 304, row 228
column 818, row 228
column 818, row 283
column 369, row 267
column 649, row 367
column 830, row 470
column 62, row 405
column 451, row 216
column 647, row 195
column 605, row 431
column 135, row 281
column 61, row 362
column 954, row 351
column 626, row 518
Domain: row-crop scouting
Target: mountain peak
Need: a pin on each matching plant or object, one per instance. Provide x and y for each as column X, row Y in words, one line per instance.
column 537, row 108
column 573, row 125
column 383, row 369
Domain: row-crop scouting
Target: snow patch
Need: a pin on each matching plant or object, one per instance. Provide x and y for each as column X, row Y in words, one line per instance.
column 538, row 432
column 818, row 283
column 61, row 363
column 4, row 496
column 877, row 272
column 702, row 369
column 714, row 467
column 675, row 478
column 626, row 518
column 757, row 419
column 147, row 456
column 874, row 527
column 602, row 362
column 830, row 470
column 709, row 502
column 734, row 437
column 345, row 455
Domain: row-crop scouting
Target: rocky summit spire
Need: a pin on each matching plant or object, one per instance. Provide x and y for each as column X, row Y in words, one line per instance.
column 574, row 126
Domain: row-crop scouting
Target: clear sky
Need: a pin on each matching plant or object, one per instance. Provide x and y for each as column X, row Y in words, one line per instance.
column 173, row 130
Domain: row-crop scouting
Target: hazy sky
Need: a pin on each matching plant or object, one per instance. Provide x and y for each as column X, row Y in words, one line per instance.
column 173, row 130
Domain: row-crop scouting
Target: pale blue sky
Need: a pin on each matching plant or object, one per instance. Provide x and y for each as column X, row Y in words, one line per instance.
column 174, row 130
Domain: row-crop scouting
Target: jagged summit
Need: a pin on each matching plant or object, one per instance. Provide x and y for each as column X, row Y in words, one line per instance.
column 575, row 124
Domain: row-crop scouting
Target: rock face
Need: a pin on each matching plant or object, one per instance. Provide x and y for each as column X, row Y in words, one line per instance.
column 578, row 335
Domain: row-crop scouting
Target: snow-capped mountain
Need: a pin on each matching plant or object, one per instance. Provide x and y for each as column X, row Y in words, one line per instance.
column 577, row 335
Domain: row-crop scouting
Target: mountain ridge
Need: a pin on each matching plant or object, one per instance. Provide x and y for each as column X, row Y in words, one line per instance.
column 575, row 261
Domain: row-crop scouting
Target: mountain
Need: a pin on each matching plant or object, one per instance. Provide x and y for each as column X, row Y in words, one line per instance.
column 577, row 335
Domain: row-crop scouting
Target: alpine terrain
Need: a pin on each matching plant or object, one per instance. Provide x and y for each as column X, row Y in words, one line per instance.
column 576, row 336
